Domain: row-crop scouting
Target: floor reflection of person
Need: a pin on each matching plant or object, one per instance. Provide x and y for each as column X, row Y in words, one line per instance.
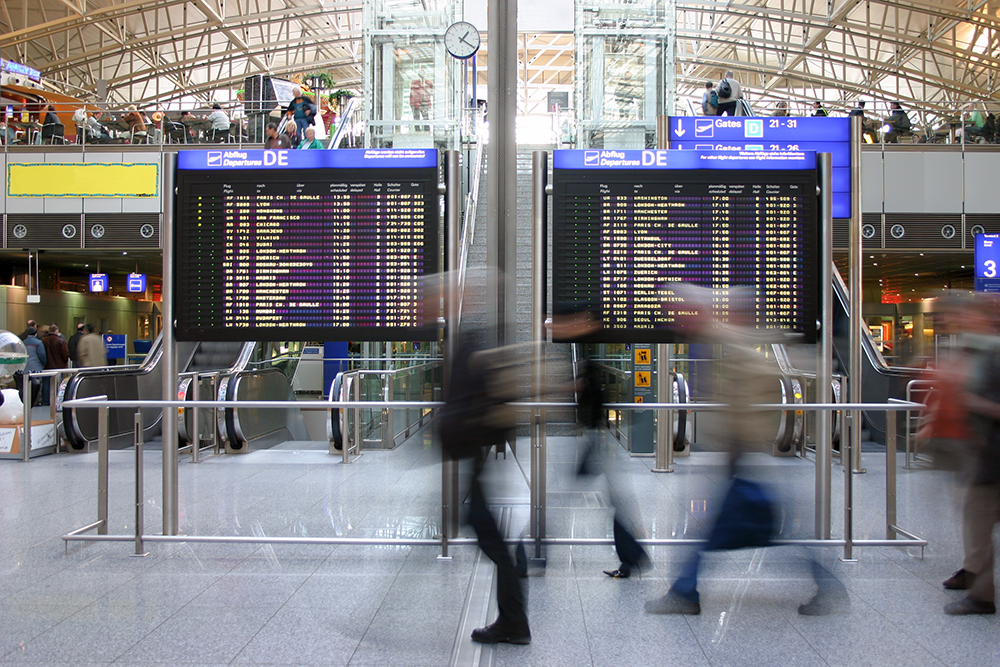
column 421, row 97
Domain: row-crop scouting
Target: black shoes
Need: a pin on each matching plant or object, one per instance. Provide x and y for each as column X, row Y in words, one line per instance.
column 671, row 603
column 968, row 606
column 623, row 572
column 496, row 633
column 960, row 581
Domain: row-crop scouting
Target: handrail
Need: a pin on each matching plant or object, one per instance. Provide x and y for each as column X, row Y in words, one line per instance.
column 910, row 386
column 469, row 226
column 893, row 531
column 345, row 120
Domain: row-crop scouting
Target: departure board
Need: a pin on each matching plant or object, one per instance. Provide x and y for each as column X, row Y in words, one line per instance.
column 293, row 245
column 629, row 225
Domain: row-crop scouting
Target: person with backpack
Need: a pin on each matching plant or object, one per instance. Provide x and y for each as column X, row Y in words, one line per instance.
column 709, row 100
column 898, row 123
column 729, row 93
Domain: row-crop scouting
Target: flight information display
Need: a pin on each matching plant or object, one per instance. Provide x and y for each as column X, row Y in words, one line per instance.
column 305, row 245
column 630, row 225
column 779, row 133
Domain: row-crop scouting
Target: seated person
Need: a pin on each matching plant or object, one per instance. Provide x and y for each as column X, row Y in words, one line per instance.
column 52, row 126
column 220, row 123
column 310, row 140
column 9, row 133
column 975, row 128
column 89, row 127
column 275, row 139
column 136, row 122
column 781, row 109
column 897, row 123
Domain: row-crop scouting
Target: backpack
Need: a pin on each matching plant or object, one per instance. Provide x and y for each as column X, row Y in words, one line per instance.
column 725, row 89
column 990, row 125
column 478, row 414
column 713, row 100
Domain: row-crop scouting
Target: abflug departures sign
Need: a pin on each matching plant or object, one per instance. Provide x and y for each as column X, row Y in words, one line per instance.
column 740, row 133
column 628, row 225
column 305, row 245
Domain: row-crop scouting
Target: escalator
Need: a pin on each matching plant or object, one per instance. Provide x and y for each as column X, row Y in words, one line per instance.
column 226, row 365
column 879, row 380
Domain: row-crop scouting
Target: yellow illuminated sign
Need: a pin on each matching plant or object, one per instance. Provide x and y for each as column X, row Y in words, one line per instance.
column 639, row 399
column 642, row 356
column 78, row 179
column 642, row 378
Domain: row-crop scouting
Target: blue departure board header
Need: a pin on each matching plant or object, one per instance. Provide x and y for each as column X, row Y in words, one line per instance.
column 743, row 133
column 663, row 159
column 370, row 158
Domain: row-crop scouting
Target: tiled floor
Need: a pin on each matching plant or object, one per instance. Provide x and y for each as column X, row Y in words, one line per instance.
column 250, row 604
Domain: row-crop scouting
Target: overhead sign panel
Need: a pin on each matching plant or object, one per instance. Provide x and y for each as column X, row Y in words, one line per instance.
column 742, row 133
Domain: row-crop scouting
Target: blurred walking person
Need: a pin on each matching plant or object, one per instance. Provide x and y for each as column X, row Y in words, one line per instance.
column 90, row 351
column 578, row 324
column 473, row 419
column 981, row 508
column 746, row 517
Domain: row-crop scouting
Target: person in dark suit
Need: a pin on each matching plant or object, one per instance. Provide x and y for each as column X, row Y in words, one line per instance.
column 577, row 324
column 466, row 434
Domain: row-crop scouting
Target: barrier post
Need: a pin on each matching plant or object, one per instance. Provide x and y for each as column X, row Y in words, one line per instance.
column 539, row 237
column 102, row 469
column 665, row 417
column 195, row 431
column 890, row 474
column 824, row 361
column 139, row 516
column 26, row 431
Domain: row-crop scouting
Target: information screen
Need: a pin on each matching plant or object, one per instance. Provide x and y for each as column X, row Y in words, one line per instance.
column 629, row 225
column 305, row 245
column 739, row 133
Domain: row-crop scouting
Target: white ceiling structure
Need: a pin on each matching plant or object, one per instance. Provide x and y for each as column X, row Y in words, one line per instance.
column 933, row 54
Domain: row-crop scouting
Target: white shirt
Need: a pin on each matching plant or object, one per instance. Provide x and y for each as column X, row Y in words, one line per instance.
column 220, row 121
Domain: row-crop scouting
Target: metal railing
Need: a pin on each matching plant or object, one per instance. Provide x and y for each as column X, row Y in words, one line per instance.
column 913, row 388
column 892, row 529
column 386, row 427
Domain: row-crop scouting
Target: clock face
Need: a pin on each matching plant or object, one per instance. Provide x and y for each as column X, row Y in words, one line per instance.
column 462, row 40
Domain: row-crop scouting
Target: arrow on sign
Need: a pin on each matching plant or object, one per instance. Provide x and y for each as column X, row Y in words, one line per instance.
column 679, row 131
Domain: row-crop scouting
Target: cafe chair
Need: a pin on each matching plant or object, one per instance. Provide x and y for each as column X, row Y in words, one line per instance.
column 176, row 133
column 53, row 134
column 139, row 136
column 220, row 136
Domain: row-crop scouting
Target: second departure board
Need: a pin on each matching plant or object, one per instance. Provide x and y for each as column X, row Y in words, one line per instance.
column 629, row 225
column 305, row 245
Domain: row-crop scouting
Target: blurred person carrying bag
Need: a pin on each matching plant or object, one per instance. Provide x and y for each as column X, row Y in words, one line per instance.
column 944, row 433
column 479, row 414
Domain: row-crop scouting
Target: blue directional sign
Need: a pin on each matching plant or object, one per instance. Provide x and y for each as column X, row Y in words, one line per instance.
column 741, row 133
column 98, row 282
column 114, row 345
column 137, row 282
column 988, row 262
column 367, row 158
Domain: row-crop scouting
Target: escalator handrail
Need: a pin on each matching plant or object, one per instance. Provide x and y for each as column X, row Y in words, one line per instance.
column 875, row 357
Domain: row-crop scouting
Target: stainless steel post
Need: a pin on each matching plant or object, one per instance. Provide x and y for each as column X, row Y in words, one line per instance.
column 856, row 318
column 139, row 517
column 169, row 386
column 102, row 470
column 851, row 445
column 664, row 417
column 26, row 404
column 824, row 362
column 890, row 474
column 539, row 242
column 195, row 431
column 453, row 240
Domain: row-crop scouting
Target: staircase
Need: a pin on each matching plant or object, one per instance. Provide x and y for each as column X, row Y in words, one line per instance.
column 558, row 356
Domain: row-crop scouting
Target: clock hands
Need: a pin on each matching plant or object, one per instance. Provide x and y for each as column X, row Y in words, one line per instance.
column 462, row 38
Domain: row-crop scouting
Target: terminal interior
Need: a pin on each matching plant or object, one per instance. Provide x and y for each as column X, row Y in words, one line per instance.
column 320, row 534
